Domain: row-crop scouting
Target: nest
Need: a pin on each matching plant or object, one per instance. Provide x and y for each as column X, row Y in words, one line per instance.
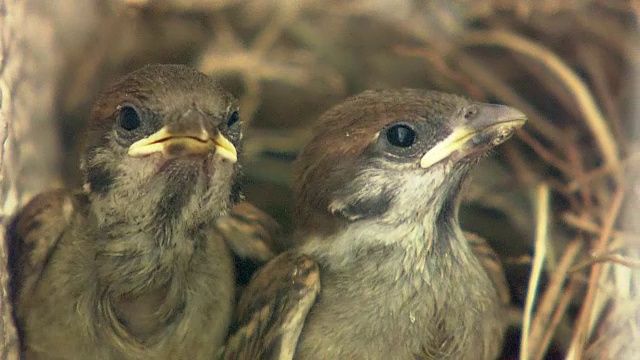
column 560, row 201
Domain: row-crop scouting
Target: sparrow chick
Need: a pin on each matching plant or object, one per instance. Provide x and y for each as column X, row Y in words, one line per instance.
column 132, row 267
column 383, row 270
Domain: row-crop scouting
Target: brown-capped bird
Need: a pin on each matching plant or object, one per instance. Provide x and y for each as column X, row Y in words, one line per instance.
column 133, row 266
column 384, row 270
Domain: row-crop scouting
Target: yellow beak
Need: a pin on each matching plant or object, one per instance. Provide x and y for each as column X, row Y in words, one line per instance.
column 178, row 144
column 493, row 125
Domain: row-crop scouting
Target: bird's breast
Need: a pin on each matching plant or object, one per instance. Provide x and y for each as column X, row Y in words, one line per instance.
column 397, row 306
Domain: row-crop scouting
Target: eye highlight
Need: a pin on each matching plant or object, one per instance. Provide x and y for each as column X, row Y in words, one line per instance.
column 234, row 118
column 129, row 117
column 401, row 135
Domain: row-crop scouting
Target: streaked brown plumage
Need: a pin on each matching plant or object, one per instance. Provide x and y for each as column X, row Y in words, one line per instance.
column 253, row 236
column 383, row 270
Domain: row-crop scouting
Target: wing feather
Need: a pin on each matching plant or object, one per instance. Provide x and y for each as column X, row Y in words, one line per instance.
column 34, row 235
column 273, row 309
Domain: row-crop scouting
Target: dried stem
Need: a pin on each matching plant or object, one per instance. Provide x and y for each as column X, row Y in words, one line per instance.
column 554, row 87
column 549, row 299
column 542, row 228
column 288, row 12
column 558, row 313
column 614, row 258
column 582, row 323
column 544, row 153
column 589, row 226
column 600, row 172
column 576, row 158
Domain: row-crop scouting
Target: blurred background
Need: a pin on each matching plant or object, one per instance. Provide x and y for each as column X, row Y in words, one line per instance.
column 559, row 202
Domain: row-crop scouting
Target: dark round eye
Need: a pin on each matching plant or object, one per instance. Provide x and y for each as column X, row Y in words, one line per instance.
column 233, row 119
column 401, row 136
column 129, row 117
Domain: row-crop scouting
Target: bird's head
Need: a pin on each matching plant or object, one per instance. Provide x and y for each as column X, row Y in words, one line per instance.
column 395, row 156
column 167, row 134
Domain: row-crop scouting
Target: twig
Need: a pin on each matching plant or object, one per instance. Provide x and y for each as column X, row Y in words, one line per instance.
column 243, row 61
column 584, row 318
column 542, row 225
column 545, row 154
column 554, row 88
column 487, row 79
column 550, row 297
column 577, row 222
column 288, row 12
column 576, row 158
column 518, row 260
column 590, row 111
column 614, row 258
column 610, row 32
column 589, row 226
column 256, row 63
column 605, row 170
column 559, row 311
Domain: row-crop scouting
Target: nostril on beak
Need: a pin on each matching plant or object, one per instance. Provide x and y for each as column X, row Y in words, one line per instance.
column 471, row 113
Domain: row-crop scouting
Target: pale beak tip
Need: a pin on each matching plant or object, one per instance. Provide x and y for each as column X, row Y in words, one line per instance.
column 225, row 149
column 230, row 156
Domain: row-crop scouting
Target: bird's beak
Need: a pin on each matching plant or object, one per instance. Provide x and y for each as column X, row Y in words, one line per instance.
column 179, row 143
column 491, row 126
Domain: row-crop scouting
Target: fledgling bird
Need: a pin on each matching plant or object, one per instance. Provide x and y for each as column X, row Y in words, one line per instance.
column 383, row 270
column 133, row 267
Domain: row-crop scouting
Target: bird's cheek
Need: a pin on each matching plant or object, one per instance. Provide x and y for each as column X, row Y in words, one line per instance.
column 363, row 204
column 100, row 179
